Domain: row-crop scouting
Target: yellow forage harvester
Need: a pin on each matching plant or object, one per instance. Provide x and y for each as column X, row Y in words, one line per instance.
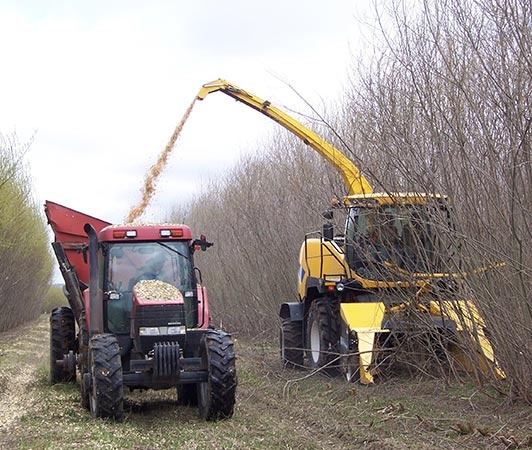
column 387, row 281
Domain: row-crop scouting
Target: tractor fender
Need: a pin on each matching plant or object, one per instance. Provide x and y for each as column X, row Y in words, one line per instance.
column 295, row 311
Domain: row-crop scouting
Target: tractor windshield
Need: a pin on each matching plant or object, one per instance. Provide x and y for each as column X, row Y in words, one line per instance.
column 387, row 241
column 128, row 263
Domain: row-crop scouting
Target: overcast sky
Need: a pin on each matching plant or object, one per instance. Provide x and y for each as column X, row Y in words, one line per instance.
column 100, row 86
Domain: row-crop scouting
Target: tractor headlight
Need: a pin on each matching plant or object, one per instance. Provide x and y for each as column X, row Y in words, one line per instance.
column 181, row 329
column 149, row 331
column 161, row 331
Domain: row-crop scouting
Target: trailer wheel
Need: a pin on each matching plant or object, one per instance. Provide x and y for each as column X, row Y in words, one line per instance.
column 62, row 341
column 291, row 343
column 106, row 394
column 187, row 395
column 217, row 395
column 323, row 335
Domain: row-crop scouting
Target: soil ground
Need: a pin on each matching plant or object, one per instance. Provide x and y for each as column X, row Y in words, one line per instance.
column 276, row 409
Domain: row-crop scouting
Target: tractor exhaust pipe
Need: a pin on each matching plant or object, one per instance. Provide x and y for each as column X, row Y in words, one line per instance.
column 96, row 306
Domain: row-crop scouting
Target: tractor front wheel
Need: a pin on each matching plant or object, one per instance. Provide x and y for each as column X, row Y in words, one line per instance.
column 62, row 342
column 106, row 393
column 217, row 395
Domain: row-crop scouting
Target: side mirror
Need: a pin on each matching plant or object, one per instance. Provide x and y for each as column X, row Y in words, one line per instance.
column 201, row 243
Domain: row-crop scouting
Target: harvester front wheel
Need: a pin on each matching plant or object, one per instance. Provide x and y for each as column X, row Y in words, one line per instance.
column 217, row 395
column 62, row 341
column 291, row 343
column 323, row 335
column 106, row 393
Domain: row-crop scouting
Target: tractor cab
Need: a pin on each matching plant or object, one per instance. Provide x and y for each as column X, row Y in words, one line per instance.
column 128, row 263
column 147, row 287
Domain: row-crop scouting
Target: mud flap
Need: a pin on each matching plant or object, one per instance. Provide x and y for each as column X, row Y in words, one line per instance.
column 468, row 320
column 365, row 319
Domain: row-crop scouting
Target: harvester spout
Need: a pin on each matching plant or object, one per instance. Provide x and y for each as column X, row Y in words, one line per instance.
column 354, row 181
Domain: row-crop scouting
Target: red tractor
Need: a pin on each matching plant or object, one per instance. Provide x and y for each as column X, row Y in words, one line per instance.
column 142, row 316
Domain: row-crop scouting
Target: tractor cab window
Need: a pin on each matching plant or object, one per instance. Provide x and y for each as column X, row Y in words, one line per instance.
column 387, row 242
column 128, row 263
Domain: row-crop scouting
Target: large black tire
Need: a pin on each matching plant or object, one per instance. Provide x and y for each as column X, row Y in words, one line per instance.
column 291, row 343
column 62, row 341
column 187, row 395
column 323, row 323
column 216, row 396
column 106, row 394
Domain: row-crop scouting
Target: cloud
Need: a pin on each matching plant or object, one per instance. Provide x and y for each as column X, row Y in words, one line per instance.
column 103, row 84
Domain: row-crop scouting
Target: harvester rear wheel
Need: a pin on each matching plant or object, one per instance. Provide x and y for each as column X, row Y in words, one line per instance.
column 291, row 343
column 216, row 396
column 106, row 393
column 323, row 335
column 62, row 341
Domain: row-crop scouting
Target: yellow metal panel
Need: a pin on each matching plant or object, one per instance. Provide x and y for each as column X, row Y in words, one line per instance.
column 363, row 316
column 468, row 320
column 365, row 319
column 394, row 198
column 366, row 341
column 320, row 259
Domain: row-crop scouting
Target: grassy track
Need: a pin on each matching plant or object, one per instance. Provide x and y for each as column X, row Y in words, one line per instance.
column 276, row 409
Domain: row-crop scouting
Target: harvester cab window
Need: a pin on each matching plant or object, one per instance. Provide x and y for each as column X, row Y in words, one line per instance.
column 129, row 263
column 386, row 242
column 372, row 241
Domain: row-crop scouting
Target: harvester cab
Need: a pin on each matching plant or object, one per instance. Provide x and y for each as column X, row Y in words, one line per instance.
column 392, row 274
column 142, row 316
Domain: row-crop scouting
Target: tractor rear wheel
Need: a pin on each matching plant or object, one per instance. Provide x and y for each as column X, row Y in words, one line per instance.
column 323, row 335
column 217, row 395
column 62, row 341
column 291, row 343
column 106, row 393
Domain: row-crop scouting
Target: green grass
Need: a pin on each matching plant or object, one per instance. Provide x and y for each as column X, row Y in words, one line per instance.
column 276, row 409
